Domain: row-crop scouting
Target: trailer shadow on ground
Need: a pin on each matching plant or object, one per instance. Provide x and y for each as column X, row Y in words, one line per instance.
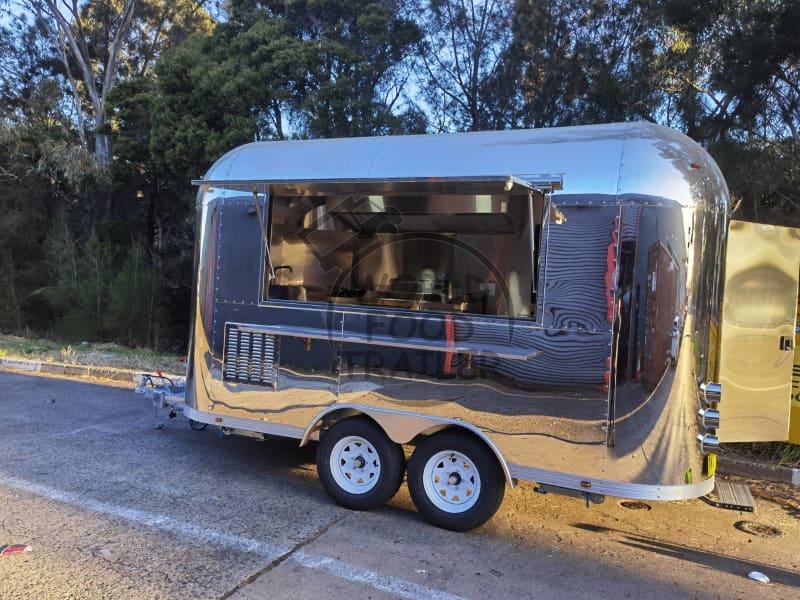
column 713, row 560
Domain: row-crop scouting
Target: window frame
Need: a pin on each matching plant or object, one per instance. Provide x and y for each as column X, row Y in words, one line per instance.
column 537, row 255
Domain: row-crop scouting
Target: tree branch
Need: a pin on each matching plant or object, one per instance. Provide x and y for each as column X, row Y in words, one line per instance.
column 68, row 35
column 113, row 54
column 76, row 98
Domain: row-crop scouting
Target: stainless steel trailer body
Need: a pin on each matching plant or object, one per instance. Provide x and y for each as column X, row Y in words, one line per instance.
column 548, row 293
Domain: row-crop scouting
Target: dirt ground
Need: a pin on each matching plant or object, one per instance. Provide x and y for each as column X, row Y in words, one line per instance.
column 114, row 508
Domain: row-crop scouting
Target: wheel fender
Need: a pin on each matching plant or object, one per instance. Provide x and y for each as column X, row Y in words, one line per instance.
column 401, row 427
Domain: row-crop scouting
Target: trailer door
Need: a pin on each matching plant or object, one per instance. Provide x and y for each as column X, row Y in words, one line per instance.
column 794, row 421
column 758, row 327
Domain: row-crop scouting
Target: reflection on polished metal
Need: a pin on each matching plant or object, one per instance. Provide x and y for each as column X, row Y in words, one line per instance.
column 762, row 268
column 794, row 420
column 308, row 185
column 709, row 417
column 712, row 392
column 708, row 443
column 565, row 321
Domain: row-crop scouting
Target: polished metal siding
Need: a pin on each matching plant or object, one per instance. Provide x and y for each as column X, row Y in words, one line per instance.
column 574, row 408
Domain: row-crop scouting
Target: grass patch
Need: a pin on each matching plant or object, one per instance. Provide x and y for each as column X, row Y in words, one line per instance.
column 783, row 454
column 101, row 354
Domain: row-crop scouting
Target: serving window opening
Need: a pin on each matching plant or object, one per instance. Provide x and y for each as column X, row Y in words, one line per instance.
column 468, row 253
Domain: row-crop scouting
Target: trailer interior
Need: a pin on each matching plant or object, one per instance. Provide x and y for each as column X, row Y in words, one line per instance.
column 467, row 253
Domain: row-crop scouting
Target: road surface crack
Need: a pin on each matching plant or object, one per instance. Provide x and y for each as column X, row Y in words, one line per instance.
column 283, row 557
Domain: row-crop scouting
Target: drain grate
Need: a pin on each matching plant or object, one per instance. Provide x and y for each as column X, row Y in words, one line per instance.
column 633, row 505
column 758, row 529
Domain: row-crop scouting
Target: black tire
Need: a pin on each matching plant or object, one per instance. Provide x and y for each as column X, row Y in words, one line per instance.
column 390, row 455
column 491, row 477
column 197, row 425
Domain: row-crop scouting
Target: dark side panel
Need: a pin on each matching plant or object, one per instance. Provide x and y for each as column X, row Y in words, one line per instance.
column 579, row 267
column 523, row 380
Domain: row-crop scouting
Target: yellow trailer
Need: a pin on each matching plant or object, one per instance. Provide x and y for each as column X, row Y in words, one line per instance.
column 758, row 395
column 794, row 419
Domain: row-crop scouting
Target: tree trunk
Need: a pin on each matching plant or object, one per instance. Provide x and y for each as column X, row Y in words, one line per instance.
column 12, row 290
column 102, row 159
column 102, row 148
column 157, row 269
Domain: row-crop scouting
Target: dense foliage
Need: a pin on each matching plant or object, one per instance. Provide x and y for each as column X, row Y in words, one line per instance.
column 109, row 107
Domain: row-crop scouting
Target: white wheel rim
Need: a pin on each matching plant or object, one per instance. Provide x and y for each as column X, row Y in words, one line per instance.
column 355, row 465
column 451, row 481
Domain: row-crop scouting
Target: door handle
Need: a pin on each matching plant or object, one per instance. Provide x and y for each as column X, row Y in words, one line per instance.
column 787, row 343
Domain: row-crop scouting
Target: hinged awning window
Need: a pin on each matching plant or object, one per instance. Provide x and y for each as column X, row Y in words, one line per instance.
column 491, row 184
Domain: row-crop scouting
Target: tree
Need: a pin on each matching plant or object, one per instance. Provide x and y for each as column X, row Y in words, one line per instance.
column 581, row 61
column 618, row 54
column 54, row 278
column 103, row 41
column 183, row 90
column 41, row 170
column 158, row 25
column 216, row 92
column 732, row 77
column 300, row 68
column 540, row 71
column 358, row 62
column 98, row 74
column 460, row 54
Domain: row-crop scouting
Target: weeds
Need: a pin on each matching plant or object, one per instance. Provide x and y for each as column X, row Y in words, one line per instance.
column 787, row 455
column 101, row 354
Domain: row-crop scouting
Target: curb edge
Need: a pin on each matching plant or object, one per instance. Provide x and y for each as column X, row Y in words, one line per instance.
column 755, row 470
column 94, row 371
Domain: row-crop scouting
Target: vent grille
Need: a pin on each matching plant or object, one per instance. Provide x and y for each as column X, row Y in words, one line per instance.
column 249, row 356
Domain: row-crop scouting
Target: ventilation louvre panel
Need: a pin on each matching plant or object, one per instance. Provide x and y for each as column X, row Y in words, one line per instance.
column 249, row 356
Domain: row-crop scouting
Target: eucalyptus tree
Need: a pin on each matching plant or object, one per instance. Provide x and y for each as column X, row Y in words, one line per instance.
column 357, row 61
column 582, row 61
column 732, row 73
column 96, row 67
column 100, row 42
column 460, row 57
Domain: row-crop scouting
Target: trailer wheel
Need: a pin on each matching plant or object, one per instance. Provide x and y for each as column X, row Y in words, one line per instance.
column 197, row 425
column 455, row 481
column 358, row 465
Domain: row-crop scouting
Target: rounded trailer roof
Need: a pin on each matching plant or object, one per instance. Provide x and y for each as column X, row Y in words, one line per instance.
column 614, row 159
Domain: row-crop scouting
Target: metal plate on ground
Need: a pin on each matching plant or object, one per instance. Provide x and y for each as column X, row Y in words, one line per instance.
column 733, row 496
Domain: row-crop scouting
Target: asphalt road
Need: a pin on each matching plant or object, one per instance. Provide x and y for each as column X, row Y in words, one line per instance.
column 115, row 509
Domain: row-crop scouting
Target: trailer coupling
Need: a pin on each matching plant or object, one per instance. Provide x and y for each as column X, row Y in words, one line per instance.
column 165, row 391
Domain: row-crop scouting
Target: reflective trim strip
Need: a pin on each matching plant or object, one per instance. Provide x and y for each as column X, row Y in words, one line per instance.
column 636, row 491
column 243, row 423
column 548, row 181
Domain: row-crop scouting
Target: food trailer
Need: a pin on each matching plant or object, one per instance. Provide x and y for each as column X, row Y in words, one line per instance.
column 542, row 305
